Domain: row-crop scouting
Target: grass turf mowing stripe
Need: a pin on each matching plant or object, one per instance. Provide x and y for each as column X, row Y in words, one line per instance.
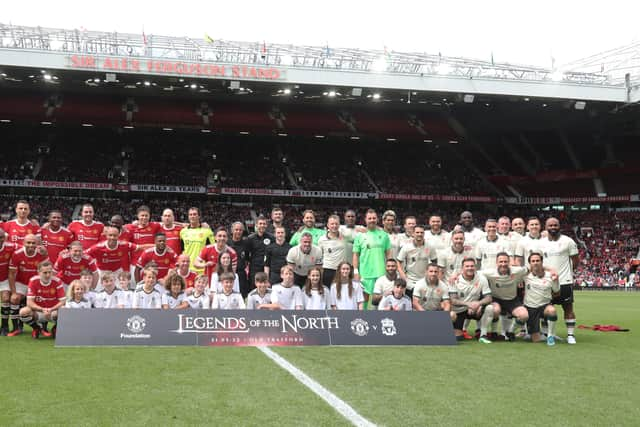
column 334, row 401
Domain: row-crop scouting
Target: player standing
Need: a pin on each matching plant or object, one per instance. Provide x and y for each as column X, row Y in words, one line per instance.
column 54, row 236
column 561, row 253
column 6, row 251
column 86, row 230
column 370, row 251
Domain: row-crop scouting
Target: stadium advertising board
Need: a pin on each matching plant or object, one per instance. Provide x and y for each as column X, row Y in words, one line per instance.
column 55, row 184
column 180, row 68
column 129, row 327
column 168, row 188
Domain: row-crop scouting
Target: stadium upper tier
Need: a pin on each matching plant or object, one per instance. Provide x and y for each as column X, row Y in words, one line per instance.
column 140, row 54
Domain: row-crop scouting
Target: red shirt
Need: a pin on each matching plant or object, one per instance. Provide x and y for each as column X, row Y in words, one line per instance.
column 26, row 266
column 46, row 296
column 173, row 237
column 88, row 235
column 189, row 279
column 6, row 251
column 111, row 259
column 68, row 270
column 142, row 235
column 55, row 241
column 16, row 232
column 211, row 253
column 164, row 261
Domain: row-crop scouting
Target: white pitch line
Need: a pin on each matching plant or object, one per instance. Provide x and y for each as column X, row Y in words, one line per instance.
column 334, row 401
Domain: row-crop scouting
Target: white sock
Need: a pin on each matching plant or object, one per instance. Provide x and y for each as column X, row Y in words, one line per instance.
column 486, row 319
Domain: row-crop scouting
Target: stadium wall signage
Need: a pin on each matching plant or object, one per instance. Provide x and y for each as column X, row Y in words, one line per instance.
column 128, row 327
column 305, row 193
column 181, row 68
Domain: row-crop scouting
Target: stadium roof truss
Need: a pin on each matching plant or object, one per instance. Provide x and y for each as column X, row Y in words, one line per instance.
column 48, row 48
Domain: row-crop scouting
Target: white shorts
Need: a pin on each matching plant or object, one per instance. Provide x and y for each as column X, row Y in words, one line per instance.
column 41, row 317
column 4, row 286
column 21, row 288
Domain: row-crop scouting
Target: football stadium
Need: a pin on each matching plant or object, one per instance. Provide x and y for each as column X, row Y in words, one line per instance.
column 201, row 231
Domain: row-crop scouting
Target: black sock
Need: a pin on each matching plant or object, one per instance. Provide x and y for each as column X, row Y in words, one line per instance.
column 5, row 310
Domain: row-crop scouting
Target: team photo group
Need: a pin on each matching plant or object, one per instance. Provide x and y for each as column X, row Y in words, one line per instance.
column 507, row 277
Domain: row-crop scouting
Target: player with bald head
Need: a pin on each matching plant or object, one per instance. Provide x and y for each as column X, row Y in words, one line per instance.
column 472, row 234
column 560, row 252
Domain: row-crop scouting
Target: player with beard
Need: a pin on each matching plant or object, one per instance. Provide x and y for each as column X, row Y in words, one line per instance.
column 470, row 296
column 504, row 281
column 55, row 237
column 87, row 231
column 20, row 227
column 239, row 244
column 472, row 234
column 413, row 259
column 560, row 252
column 489, row 246
column 436, row 236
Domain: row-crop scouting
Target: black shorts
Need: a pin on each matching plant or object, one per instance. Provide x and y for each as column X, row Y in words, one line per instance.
column 461, row 317
column 535, row 314
column 565, row 297
column 327, row 276
column 508, row 305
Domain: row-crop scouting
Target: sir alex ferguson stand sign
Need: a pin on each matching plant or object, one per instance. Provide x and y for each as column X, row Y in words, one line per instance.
column 78, row 327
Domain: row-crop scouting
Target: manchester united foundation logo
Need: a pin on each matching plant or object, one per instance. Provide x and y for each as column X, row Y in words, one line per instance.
column 136, row 324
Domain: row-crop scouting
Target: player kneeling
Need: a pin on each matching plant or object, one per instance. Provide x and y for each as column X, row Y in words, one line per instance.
column 227, row 300
column 471, row 298
column 76, row 296
column 431, row 293
column 539, row 289
column 397, row 300
column 44, row 297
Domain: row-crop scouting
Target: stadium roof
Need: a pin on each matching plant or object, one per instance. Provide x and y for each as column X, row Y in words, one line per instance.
column 115, row 53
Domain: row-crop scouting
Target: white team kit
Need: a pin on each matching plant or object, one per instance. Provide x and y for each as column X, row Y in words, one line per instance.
column 317, row 300
column 451, row 261
column 201, row 301
column 289, row 298
column 469, row 290
column 233, row 301
column 528, row 245
column 144, row 299
column 486, row 251
column 431, row 297
column 173, row 301
column 505, row 286
column 115, row 299
column 538, row 290
column 557, row 255
column 254, row 299
column 346, row 302
column 397, row 304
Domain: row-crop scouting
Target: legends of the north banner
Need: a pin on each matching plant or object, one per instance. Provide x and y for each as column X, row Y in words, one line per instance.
column 127, row 327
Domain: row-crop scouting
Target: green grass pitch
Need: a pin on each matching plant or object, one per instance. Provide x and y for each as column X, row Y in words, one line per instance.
column 594, row 383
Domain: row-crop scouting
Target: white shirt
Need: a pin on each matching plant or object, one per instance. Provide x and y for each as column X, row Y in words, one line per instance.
column 316, row 301
column 142, row 299
column 557, row 254
column 287, row 298
column 233, row 301
column 346, row 302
